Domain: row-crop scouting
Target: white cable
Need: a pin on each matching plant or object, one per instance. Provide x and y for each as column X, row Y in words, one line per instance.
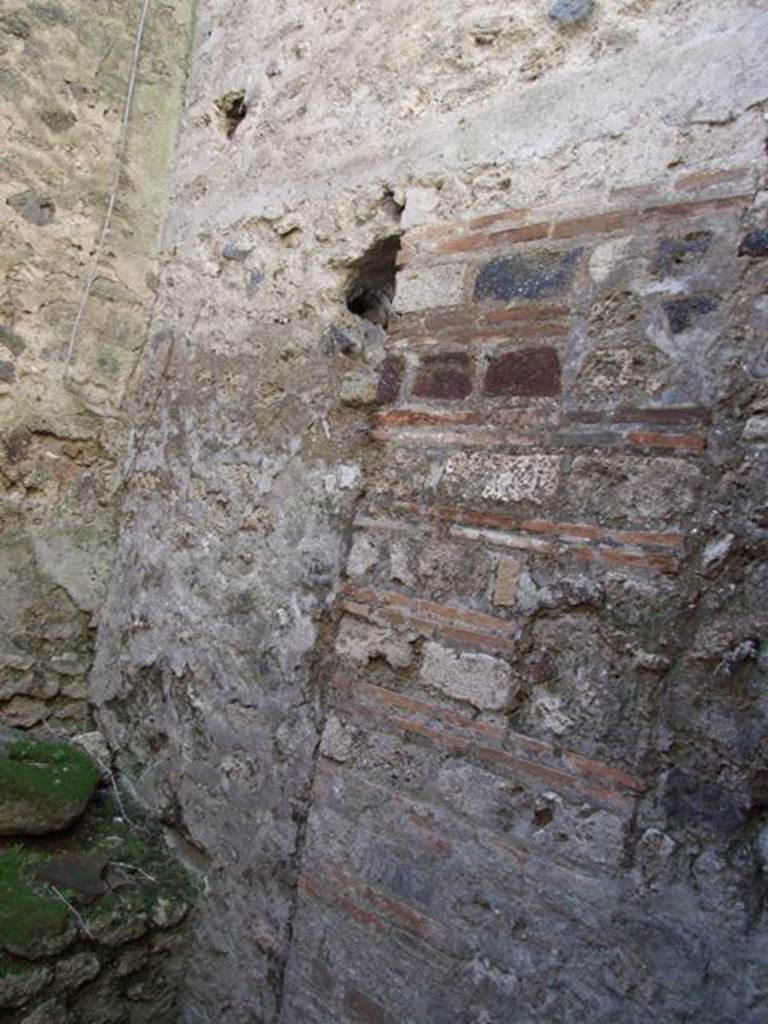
column 122, row 147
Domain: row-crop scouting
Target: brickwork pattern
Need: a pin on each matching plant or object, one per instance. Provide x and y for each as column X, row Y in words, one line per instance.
column 535, row 726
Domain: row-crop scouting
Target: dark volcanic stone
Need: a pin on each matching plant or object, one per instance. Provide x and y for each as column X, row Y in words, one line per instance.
column 755, row 243
column 692, row 801
column 532, row 372
column 390, row 377
column 445, row 375
column 682, row 312
column 32, row 207
column 571, row 12
column 676, row 252
column 528, row 276
column 7, row 372
column 11, row 340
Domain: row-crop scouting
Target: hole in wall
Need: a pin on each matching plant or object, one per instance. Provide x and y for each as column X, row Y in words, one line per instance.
column 232, row 108
column 371, row 288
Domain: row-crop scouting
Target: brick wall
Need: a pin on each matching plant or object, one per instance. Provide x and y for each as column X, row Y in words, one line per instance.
column 541, row 785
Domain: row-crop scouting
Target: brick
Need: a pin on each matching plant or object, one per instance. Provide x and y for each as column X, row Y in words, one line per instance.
column 417, row 417
column 469, row 733
column 504, row 217
column 468, row 243
column 534, row 311
column 480, row 679
column 445, row 375
column 507, row 576
column 683, row 442
column 516, row 331
column 441, row 612
column 662, row 416
column 509, row 540
column 458, row 625
column 658, row 563
column 700, row 180
column 566, row 531
column 526, row 276
column 531, row 372
column 694, row 207
column 599, row 223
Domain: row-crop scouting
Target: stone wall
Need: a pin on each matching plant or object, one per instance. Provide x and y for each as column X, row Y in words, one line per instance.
column 455, row 705
column 64, row 72
column 542, row 778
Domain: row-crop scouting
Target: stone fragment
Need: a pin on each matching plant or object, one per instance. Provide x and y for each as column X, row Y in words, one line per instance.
column 78, row 872
column 7, row 372
column 69, row 664
column 649, row 661
column 75, row 971
column 131, row 961
column 33, row 207
column 58, row 120
column 359, row 388
column 654, row 853
column 529, row 276
column 755, row 243
column 445, row 375
column 11, row 340
column 497, row 477
column 654, row 488
column 18, row 987
column 121, row 925
column 168, row 913
column 571, row 12
column 390, row 377
column 761, row 847
column 360, row 642
column 50, row 1012
column 480, row 679
column 676, row 253
column 683, row 313
column 338, row 739
column 24, row 712
column 606, row 256
column 716, row 552
column 689, row 800
column 232, row 252
column 485, row 30
column 756, row 429
column 14, row 25
column 363, row 555
column 44, row 784
column 29, row 684
column 530, row 596
column 428, row 287
column 507, row 575
column 546, row 710
column 532, row 372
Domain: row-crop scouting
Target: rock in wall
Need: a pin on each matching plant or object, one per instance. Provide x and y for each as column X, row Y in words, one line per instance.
column 64, row 73
column 456, row 705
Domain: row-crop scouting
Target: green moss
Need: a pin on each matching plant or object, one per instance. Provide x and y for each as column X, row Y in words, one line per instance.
column 29, row 911
column 47, row 771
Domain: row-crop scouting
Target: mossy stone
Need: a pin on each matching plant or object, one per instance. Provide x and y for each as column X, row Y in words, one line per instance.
column 45, row 785
column 34, row 922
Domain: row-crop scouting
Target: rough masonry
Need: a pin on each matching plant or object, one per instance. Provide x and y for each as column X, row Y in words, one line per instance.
column 434, row 637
